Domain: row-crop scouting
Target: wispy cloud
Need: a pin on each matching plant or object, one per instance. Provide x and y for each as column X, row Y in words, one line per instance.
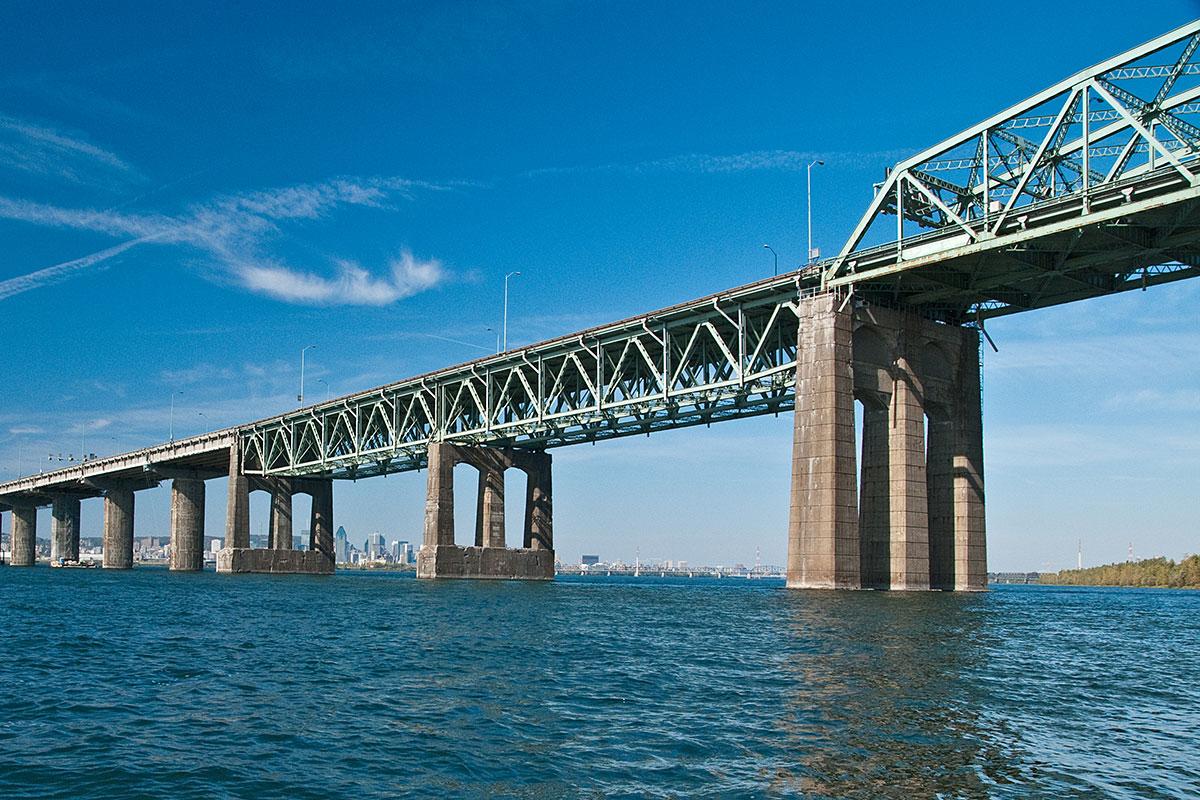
column 755, row 160
column 40, row 150
column 236, row 233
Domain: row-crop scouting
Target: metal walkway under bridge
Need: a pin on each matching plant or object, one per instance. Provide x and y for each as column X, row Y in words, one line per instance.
column 1088, row 188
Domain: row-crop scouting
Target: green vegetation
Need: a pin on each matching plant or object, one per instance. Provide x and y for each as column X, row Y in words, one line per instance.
column 1156, row 572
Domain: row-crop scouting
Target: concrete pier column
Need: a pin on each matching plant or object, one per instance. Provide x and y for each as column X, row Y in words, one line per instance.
column 187, row 524
column 320, row 536
column 908, row 505
column 281, row 514
column 939, row 471
column 237, row 509
column 823, row 542
column 64, row 535
column 970, row 542
column 874, row 516
column 489, row 509
column 24, row 536
column 118, row 528
column 539, row 509
column 439, row 496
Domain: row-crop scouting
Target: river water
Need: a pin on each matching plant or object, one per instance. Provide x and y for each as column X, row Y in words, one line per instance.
column 151, row 684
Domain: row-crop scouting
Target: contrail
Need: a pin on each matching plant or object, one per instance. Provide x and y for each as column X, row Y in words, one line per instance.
column 59, row 272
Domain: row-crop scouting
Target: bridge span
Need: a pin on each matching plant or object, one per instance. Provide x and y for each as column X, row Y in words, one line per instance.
column 1088, row 188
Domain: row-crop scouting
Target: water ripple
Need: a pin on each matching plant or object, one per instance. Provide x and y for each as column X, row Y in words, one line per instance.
column 358, row 686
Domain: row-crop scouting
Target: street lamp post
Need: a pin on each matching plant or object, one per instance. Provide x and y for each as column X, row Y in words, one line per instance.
column 325, row 383
column 772, row 249
column 300, row 397
column 817, row 163
column 506, row 277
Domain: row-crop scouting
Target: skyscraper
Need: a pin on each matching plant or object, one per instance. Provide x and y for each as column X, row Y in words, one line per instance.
column 341, row 546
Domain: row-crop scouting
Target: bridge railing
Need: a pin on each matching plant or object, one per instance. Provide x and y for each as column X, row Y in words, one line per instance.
column 719, row 357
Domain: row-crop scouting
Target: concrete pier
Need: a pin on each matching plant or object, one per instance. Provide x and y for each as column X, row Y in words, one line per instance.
column 237, row 509
column 118, row 528
column 970, row 539
column 187, row 525
column 320, row 527
column 24, row 536
column 908, row 504
column 440, row 557
column 918, row 521
column 280, row 528
column 823, row 543
column 64, row 535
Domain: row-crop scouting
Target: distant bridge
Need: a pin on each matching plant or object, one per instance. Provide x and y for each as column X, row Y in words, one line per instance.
column 1088, row 188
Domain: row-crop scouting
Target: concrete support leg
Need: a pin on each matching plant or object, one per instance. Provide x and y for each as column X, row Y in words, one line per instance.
column 823, row 542
column 118, row 528
column 64, row 535
column 320, row 536
column 970, row 540
column 24, row 536
column 439, row 496
column 440, row 557
column 237, row 509
column 909, row 504
column 281, row 514
column 539, row 510
column 874, row 517
column 187, row 524
column 489, row 510
column 939, row 470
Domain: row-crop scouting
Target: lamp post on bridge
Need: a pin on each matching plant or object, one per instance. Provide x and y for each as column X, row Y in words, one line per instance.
column 506, row 277
column 325, row 383
column 772, row 249
column 300, row 396
column 818, row 163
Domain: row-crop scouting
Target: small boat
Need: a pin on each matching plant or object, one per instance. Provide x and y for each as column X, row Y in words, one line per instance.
column 73, row 564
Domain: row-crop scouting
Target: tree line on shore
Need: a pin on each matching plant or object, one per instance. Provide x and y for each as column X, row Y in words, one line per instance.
column 1160, row 572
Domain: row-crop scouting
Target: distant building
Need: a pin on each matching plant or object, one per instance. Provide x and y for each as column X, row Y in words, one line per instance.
column 410, row 556
column 589, row 561
column 216, row 545
column 341, row 546
column 375, row 544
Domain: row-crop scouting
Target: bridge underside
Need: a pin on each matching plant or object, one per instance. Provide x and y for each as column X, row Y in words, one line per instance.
column 1136, row 240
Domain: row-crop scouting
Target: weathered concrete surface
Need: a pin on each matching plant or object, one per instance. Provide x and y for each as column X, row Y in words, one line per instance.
column 970, row 540
column 320, row 527
column 118, row 528
column 278, row 562
column 237, row 507
column 823, row 542
column 908, row 503
column 281, row 514
column 874, row 516
column 64, row 536
column 498, row 563
column 24, row 536
column 187, row 525
column 439, row 551
column 920, row 522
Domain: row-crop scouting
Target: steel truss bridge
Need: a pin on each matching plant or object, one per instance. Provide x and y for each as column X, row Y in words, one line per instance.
column 1088, row 188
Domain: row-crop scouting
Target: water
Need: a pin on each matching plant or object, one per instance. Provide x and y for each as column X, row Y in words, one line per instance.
column 150, row 684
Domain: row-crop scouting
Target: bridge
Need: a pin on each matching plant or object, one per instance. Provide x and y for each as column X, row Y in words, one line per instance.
column 1088, row 188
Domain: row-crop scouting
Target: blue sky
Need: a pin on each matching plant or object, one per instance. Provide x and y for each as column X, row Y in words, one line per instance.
column 189, row 196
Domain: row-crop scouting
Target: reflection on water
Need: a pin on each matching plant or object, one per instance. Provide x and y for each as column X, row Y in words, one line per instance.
column 881, row 705
column 151, row 684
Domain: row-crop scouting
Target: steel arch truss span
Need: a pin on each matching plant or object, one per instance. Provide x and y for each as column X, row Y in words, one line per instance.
column 716, row 359
column 1086, row 188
